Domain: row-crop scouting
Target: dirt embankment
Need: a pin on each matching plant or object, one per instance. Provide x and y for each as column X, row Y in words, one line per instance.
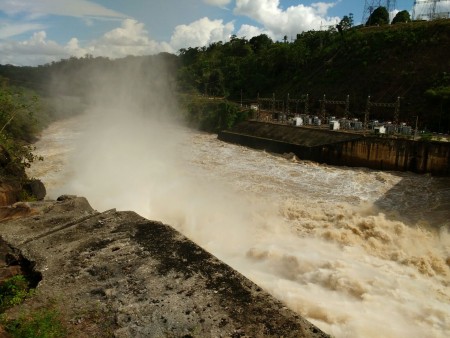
column 118, row 274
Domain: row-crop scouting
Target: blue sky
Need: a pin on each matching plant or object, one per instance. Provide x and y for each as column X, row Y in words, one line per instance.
column 34, row 32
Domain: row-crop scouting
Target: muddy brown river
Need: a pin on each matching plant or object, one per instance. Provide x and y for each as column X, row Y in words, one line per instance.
column 358, row 252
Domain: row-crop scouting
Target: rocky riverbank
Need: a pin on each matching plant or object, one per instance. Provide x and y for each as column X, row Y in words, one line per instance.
column 119, row 274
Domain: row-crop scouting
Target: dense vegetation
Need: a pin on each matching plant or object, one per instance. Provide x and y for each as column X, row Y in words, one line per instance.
column 406, row 59
column 18, row 127
column 43, row 323
column 409, row 60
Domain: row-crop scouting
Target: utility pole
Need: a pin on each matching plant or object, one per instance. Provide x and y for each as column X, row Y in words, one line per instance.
column 287, row 105
column 322, row 108
column 307, row 104
column 258, row 113
column 366, row 115
column 415, row 130
column 273, row 102
column 397, row 111
column 347, row 106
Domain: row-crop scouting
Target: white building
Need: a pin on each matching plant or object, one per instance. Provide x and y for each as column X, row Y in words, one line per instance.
column 335, row 125
column 379, row 130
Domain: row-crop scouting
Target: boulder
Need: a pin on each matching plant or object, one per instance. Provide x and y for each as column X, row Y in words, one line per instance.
column 35, row 188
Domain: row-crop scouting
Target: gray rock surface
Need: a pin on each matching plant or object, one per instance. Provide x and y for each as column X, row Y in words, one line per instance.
column 119, row 274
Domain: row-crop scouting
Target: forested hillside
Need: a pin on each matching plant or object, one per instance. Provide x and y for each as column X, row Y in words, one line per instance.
column 409, row 60
column 406, row 60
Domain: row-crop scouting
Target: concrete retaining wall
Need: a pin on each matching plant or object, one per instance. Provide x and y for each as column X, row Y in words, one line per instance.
column 346, row 149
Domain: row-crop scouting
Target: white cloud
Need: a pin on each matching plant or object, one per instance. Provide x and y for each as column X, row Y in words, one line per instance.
column 131, row 33
column 393, row 14
column 201, row 33
column 289, row 21
column 73, row 48
column 129, row 39
column 220, row 3
column 34, row 51
column 321, row 8
column 75, row 8
column 249, row 32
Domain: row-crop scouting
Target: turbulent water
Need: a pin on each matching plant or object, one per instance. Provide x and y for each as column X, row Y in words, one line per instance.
column 360, row 253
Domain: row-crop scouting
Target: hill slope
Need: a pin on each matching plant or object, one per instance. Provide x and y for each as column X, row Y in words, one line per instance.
column 403, row 60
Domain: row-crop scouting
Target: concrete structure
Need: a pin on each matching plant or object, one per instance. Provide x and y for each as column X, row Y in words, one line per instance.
column 334, row 125
column 343, row 148
column 117, row 274
column 379, row 130
column 298, row 121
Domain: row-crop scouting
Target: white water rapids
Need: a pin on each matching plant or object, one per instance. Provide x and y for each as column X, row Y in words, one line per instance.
column 358, row 252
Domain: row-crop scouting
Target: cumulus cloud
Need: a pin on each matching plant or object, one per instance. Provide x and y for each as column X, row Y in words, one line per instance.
column 393, row 14
column 201, row 33
column 130, row 38
column 34, row 51
column 321, row 8
column 289, row 21
column 249, row 32
column 38, row 49
column 220, row 3
column 131, row 33
column 73, row 48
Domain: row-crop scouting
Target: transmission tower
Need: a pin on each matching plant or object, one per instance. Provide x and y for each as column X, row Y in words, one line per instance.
column 431, row 9
column 371, row 5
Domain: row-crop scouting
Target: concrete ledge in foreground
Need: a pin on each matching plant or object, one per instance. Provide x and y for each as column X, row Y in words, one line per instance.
column 118, row 274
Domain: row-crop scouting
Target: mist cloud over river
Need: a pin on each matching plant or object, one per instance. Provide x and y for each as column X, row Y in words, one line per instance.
column 358, row 252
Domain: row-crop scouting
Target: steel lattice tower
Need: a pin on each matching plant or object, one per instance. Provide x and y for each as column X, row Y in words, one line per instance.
column 371, row 5
column 431, row 9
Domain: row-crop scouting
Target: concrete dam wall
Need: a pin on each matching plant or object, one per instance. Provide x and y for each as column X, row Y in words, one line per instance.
column 344, row 149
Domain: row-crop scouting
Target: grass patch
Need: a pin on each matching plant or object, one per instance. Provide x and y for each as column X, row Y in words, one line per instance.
column 14, row 291
column 25, row 196
column 41, row 323
column 44, row 323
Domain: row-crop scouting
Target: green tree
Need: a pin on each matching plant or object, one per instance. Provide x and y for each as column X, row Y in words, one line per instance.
column 379, row 17
column 189, row 56
column 260, row 43
column 402, row 16
column 17, row 128
column 215, row 83
column 345, row 23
